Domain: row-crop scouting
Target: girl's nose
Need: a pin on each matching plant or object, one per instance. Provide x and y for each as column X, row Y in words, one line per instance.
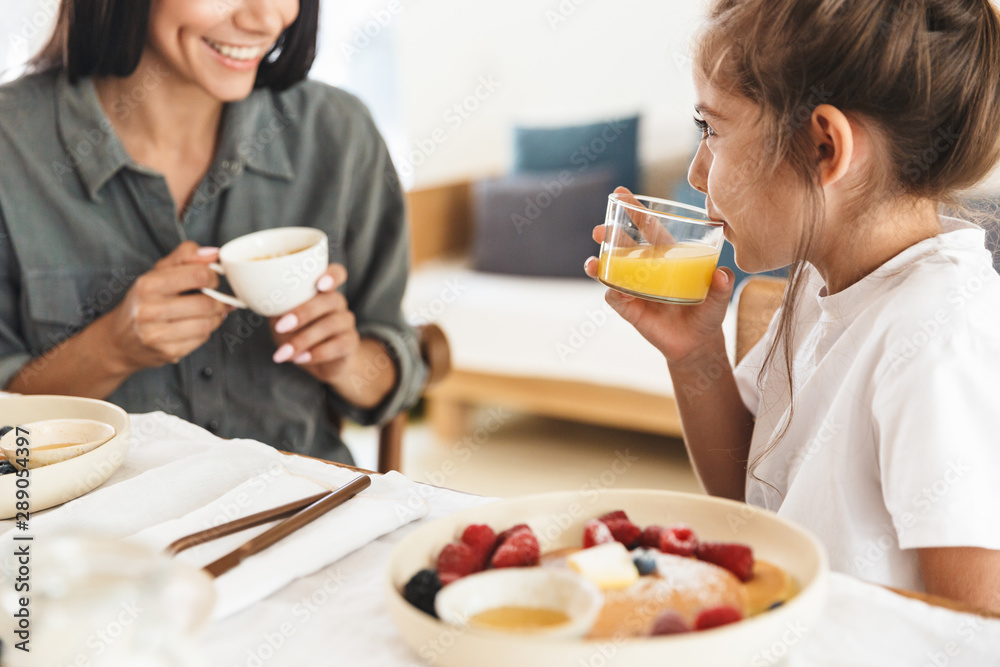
column 698, row 172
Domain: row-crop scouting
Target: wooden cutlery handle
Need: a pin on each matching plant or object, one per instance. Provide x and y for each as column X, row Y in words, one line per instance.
column 315, row 510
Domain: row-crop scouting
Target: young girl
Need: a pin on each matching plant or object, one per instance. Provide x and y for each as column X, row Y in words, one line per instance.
column 832, row 132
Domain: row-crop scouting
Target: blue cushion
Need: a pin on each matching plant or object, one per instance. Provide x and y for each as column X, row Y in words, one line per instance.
column 613, row 144
column 539, row 224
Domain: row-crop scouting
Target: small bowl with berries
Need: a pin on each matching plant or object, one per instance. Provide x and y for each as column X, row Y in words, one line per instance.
column 648, row 575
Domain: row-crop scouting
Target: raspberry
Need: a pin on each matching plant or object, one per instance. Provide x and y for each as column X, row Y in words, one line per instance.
column 670, row 623
column 650, row 537
column 614, row 516
column 422, row 589
column 483, row 541
column 519, row 550
column 624, row 531
column 716, row 616
column 596, row 532
column 455, row 561
column 737, row 558
column 679, row 540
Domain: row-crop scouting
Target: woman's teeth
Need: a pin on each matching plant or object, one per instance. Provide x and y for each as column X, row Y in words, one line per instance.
column 236, row 52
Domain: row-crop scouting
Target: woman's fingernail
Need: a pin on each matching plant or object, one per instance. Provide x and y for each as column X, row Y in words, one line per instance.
column 207, row 250
column 303, row 358
column 283, row 354
column 325, row 284
column 286, row 323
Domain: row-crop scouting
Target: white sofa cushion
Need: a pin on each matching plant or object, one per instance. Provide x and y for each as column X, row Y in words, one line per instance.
column 553, row 328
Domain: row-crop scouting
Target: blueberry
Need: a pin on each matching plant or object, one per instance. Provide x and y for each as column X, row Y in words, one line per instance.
column 6, row 468
column 645, row 563
column 776, row 605
column 4, row 429
column 421, row 590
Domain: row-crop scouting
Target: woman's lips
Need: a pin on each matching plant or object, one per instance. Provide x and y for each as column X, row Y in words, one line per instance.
column 236, row 56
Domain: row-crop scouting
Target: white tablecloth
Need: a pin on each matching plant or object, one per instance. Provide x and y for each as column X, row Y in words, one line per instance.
column 337, row 615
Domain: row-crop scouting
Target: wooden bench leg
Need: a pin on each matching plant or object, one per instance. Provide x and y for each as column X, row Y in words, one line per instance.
column 448, row 418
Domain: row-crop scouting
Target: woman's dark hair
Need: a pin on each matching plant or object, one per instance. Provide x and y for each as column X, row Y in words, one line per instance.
column 107, row 37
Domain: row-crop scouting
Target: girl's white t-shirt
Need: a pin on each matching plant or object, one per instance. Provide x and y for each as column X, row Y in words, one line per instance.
column 894, row 441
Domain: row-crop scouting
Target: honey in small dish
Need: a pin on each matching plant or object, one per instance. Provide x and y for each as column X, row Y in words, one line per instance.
column 519, row 619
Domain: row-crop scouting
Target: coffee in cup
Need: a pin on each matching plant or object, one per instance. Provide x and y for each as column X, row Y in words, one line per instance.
column 274, row 270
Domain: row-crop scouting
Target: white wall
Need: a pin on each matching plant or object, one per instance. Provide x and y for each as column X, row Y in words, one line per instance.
column 553, row 62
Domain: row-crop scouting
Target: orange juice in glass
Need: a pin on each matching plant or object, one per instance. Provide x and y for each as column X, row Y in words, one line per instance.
column 658, row 249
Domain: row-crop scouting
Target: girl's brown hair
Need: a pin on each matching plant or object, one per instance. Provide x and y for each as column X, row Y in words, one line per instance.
column 107, row 38
column 922, row 75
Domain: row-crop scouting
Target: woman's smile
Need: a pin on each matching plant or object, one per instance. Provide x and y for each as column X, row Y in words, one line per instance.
column 236, row 56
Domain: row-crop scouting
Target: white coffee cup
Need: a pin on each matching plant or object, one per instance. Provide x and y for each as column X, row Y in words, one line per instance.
column 273, row 270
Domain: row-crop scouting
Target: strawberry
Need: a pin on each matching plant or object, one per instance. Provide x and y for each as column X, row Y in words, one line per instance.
column 502, row 537
column 483, row 541
column 650, row 537
column 716, row 616
column 519, row 550
column 455, row 561
column 737, row 558
column 596, row 532
column 624, row 531
column 679, row 540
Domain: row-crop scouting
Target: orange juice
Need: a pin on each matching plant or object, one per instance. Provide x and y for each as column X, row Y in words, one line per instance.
column 680, row 272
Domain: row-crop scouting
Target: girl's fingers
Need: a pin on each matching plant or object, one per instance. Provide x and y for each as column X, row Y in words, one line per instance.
column 598, row 234
column 590, row 267
column 649, row 225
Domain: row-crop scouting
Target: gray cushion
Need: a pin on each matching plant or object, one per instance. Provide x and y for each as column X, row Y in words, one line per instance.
column 540, row 224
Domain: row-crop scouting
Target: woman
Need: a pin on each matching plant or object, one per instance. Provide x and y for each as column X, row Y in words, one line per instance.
column 149, row 133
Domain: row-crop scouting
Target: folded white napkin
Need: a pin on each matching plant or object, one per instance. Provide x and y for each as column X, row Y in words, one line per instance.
column 179, row 479
column 380, row 509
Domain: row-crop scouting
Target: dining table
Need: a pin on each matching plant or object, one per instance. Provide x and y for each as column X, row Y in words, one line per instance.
column 318, row 597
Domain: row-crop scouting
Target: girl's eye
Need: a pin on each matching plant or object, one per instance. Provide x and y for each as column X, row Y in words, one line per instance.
column 706, row 130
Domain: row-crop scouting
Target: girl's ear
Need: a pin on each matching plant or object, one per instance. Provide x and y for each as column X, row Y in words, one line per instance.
column 834, row 140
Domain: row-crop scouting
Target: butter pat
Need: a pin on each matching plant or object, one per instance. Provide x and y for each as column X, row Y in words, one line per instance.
column 609, row 566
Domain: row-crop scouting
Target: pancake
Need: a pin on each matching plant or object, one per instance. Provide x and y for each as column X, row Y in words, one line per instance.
column 684, row 585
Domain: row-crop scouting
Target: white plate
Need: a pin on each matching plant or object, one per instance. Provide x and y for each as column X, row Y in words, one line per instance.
column 57, row 483
column 557, row 520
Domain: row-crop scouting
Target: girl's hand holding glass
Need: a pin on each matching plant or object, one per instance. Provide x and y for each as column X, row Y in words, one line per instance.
column 681, row 332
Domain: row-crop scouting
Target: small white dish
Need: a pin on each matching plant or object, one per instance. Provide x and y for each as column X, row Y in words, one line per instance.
column 54, row 441
column 55, row 484
column 534, row 588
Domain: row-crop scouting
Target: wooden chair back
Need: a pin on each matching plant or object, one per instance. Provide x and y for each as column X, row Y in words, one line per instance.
column 436, row 353
column 758, row 299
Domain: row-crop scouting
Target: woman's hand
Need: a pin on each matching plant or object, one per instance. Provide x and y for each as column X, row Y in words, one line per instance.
column 160, row 321
column 680, row 333
column 321, row 336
